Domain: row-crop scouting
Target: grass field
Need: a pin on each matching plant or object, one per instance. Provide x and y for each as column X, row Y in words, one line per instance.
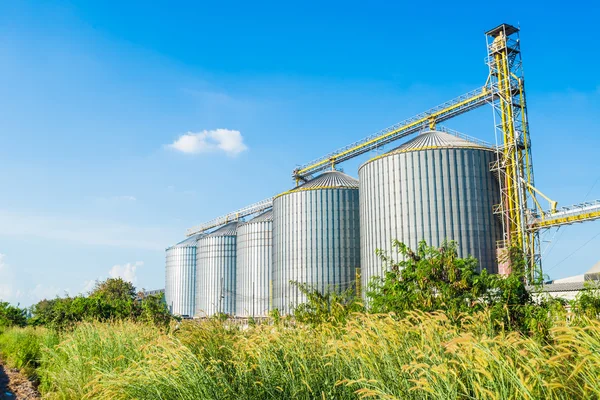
column 422, row 356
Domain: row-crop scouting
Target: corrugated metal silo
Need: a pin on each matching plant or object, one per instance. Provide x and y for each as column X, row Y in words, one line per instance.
column 316, row 237
column 215, row 272
column 435, row 187
column 253, row 275
column 180, row 277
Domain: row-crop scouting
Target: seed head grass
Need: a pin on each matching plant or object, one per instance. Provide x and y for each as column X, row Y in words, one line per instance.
column 420, row 356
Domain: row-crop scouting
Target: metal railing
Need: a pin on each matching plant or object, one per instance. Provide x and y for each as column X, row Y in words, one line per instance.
column 232, row 216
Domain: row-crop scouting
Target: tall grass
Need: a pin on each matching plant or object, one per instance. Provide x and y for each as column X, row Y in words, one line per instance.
column 22, row 347
column 423, row 356
column 74, row 368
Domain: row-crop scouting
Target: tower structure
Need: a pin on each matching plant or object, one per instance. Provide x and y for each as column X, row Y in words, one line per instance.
column 513, row 166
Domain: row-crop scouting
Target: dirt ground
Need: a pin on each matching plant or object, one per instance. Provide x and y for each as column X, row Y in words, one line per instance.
column 15, row 386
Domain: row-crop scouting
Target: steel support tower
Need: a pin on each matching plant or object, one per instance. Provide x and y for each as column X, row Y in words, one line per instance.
column 514, row 164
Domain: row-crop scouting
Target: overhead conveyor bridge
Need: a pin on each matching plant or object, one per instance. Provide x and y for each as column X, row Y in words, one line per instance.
column 462, row 104
column 567, row 215
column 232, row 216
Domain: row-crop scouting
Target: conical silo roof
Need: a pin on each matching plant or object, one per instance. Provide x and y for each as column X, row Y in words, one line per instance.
column 436, row 140
column 188, row 242
column 226, row 230
column 266, row 216
column 327, row 180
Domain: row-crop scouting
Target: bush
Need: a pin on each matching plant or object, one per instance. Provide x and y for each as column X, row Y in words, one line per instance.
column 113, row 299
column 431, row 280
column 587, row 302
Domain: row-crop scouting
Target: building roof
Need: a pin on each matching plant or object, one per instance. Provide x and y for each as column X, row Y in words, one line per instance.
column 559, row 287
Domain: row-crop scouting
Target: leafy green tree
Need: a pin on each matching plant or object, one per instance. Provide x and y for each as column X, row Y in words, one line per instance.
column 431, row 279
column 155, row 310
column 114, row 290
column 113, row 299
column 11, row 315
column 436, row 279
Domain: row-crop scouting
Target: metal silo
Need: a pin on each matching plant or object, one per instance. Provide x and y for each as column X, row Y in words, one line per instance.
column 253, row 275
column 215, row 272
column 180, row 277
column 316, row 237
column 435, row 187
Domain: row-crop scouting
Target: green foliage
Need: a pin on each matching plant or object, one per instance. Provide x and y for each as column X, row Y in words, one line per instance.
column 114, row 290
column 331, row 306
column 155, row 310
column 423, row 355
column 113, row 299
column 587, row 302
column 12, row 316
column 92, row 352
column 431, row 279
column 21, row 348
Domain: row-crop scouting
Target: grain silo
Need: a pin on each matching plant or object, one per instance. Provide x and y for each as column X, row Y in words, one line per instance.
column 436, row 186
column 215, row 272
column 316, row 237
column 253, row 275
column 180, row 277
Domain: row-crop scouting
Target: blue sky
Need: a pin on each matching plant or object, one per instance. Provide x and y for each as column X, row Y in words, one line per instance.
column 93, row 95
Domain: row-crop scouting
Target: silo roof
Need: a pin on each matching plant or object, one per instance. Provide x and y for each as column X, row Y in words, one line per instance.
column 327, row 180
column 226, row 230
column 266, row 216
column 189, row 242
column 435, row 140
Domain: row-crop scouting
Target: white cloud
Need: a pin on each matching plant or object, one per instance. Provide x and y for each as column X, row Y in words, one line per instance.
column 41, row 292
column 88, row 286
column 126, row 271
column 228, row 141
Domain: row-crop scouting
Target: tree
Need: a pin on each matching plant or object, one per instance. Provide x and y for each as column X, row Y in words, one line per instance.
column 11, row 315
column 114, row 289
column 436, row 279
column 113, row 299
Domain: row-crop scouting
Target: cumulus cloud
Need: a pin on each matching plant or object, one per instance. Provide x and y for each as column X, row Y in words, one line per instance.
column 227, row 141
column 127, row 272
column 41, row 292
column 88, row 286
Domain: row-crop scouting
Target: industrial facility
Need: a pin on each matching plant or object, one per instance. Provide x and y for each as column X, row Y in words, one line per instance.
column 324, row 232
